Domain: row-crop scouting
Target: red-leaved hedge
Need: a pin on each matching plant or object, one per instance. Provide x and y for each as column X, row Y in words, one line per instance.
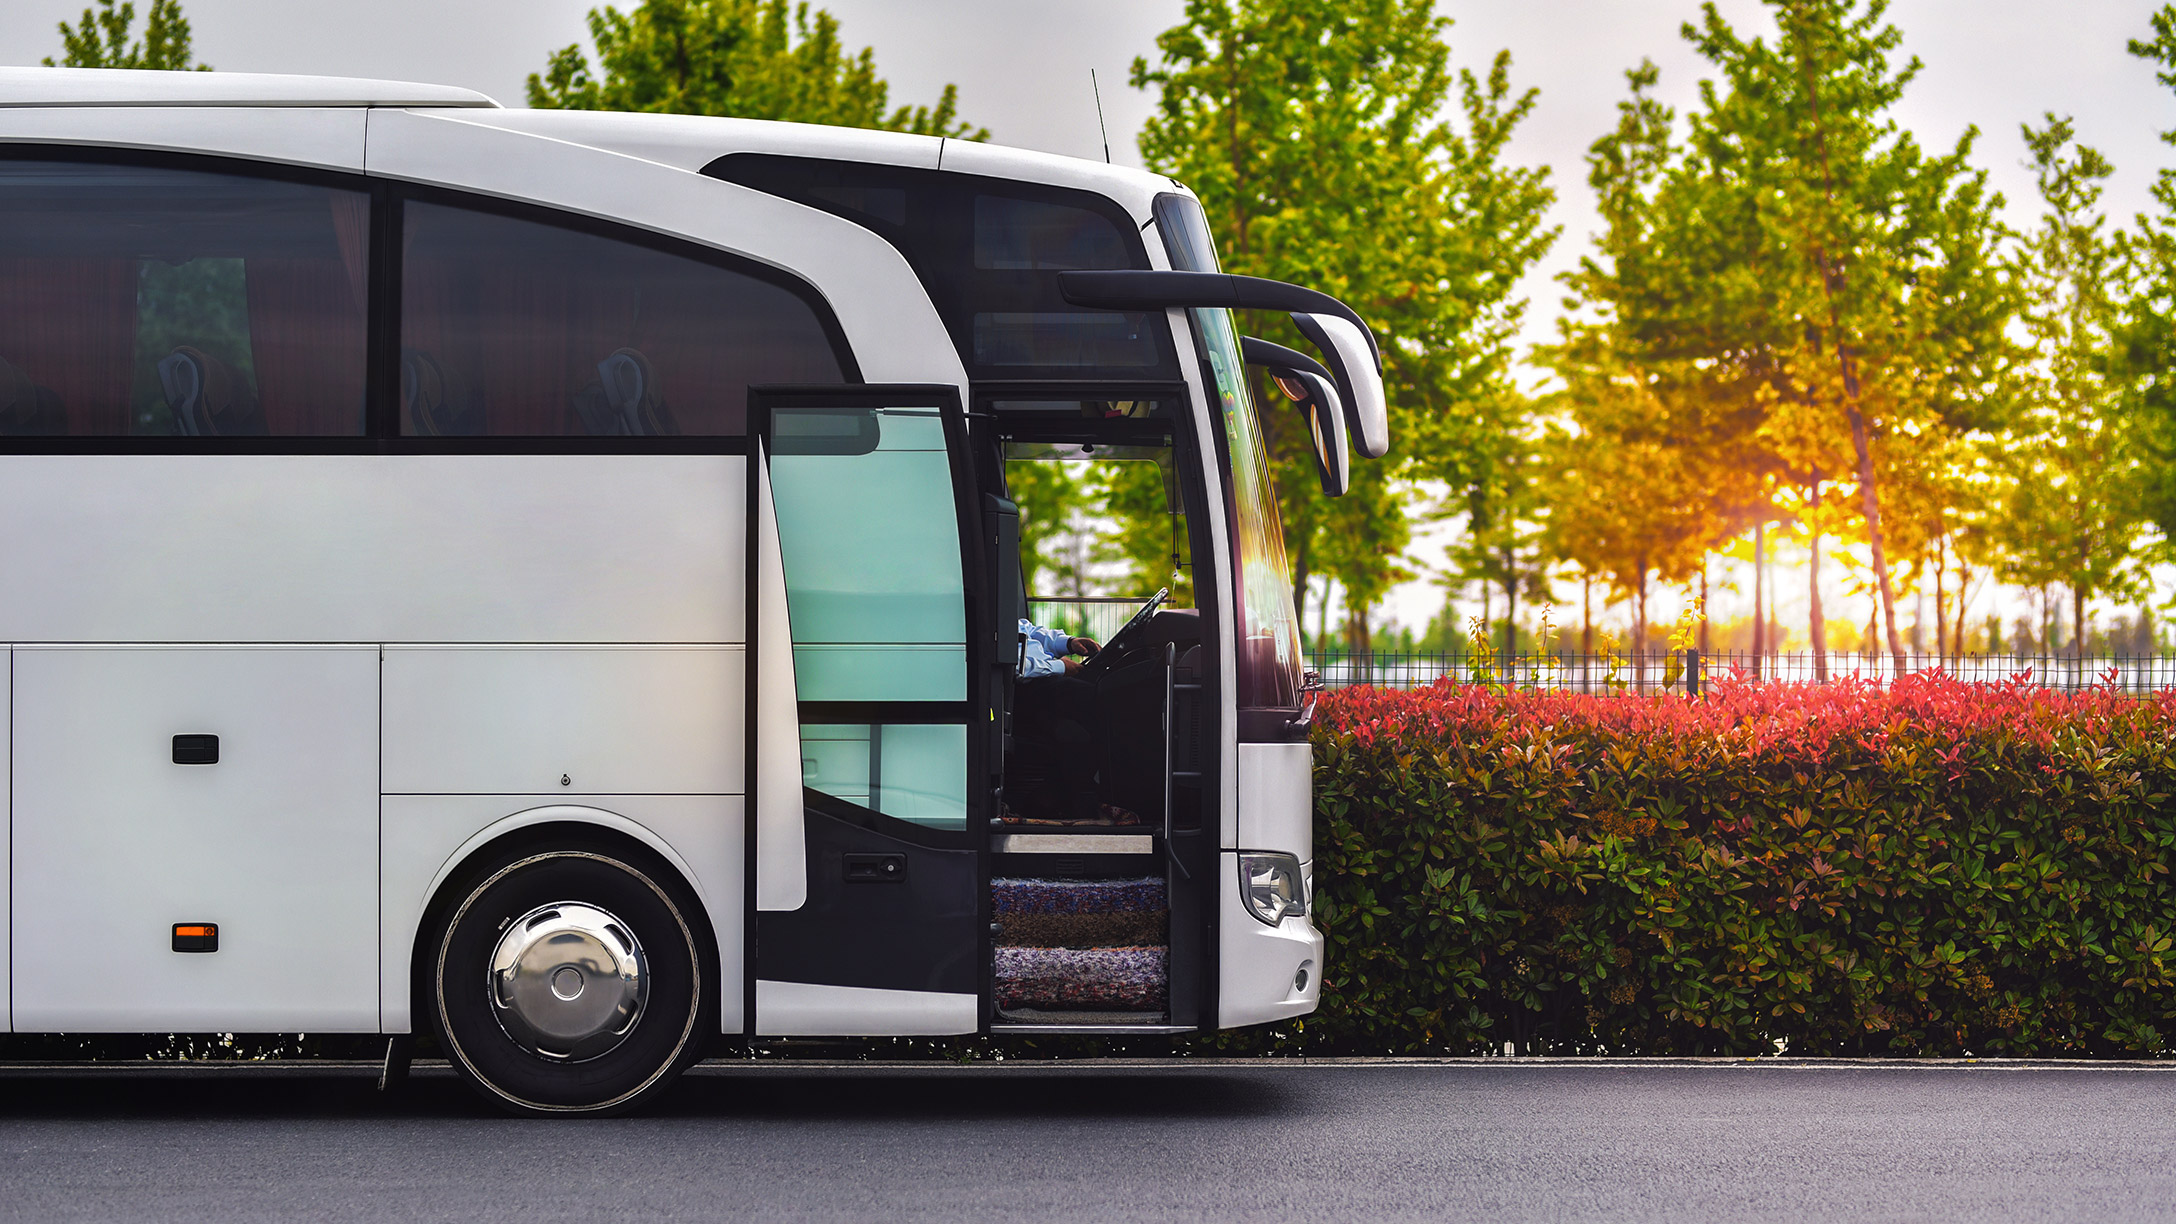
column 1931, row 868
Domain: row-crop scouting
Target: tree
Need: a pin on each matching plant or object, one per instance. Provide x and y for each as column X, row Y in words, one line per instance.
column 2146, row 330
column 753, row 58
column 2071, row 514
column 1328, row 150
column 1506, row 544
column 1800, row 284
column 101, row 39
column 1661, row 462
column 1624, row 494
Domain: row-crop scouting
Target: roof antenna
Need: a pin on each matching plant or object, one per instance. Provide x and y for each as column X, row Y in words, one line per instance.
column 1099, row 116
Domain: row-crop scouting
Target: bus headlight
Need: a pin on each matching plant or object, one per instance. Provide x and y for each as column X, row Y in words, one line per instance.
column 1272, row 886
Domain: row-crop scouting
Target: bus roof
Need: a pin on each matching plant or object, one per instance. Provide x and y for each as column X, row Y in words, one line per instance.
column 687, row 142
column 130, row 87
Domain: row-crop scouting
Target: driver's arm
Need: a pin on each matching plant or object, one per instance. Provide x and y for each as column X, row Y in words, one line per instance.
column 1053, row 642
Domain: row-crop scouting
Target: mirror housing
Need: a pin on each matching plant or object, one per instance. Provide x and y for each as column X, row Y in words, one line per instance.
column 1356, row 362
column 1359, row 380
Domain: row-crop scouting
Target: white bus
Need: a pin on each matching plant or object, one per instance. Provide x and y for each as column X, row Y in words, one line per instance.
column 552, row 581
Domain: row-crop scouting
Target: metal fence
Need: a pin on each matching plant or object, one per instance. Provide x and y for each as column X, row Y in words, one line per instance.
column 1648, row 673
column 1100, row 616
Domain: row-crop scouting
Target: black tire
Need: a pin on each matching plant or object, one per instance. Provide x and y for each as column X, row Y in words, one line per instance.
column 670, row 1031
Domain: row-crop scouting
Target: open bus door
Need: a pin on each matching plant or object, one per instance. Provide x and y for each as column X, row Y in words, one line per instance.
column 868, row 741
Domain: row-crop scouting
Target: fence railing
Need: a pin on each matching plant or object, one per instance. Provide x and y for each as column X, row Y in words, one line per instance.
column 1647, row 673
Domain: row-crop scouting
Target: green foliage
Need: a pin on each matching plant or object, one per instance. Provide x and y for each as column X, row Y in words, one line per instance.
column 2146, row 334
column 758, row 59
column 1333, row 146
column 2069, row 512
column 101, row 39
column 1795, row 294
column 1933, row 869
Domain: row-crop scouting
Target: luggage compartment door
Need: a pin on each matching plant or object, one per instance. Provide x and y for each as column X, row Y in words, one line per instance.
column 163, row 788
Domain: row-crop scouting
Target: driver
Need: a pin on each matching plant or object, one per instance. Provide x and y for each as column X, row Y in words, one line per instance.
column 1047, row 652
column 1053, row 709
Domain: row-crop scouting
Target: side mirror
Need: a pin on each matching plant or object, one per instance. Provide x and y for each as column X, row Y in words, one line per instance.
column 1325, row 423
column 1359, row 378
column 1306, row 383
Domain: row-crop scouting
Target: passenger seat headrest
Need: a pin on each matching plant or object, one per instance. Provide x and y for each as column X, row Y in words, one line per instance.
column 210, row 399
column 632, row 404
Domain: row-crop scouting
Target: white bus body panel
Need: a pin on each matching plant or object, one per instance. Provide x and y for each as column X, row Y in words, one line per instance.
column 114, row 843
column 372, row 548
column 781, row 834
column 428, row 836
column 563, row 720
column 1276, row 798
column 331, row 138
column 690, row 142
column 808, row 1009
column 106, row 87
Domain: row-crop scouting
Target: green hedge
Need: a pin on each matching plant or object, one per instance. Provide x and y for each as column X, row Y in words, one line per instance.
column 1935, row 868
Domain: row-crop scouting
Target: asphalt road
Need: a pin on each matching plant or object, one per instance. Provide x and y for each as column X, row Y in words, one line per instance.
column 1471, row 1141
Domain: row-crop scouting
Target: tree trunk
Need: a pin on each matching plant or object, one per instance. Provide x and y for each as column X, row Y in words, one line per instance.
column 1705, row 648
column 2077, row 631
column 1639, row 630
column 1322, row 612
column 1357, row 638
column 1941, row 609
column 1964, row 592
column 1586, row 614
column 1511, row 610
column 1816, row 624
column 1760, row 577
column 1299, row 587
column 1832, row 273
column 1870, row 505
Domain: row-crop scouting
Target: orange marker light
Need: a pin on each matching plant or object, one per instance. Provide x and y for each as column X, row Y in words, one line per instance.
column 196, row 937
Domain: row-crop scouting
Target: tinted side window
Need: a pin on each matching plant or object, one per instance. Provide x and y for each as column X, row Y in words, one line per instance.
column 154, row 301
column 517, row 328
column 989, row 251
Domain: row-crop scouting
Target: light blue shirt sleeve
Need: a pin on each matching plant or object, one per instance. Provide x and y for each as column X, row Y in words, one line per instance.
column 1042, row 652
column 1053, row 642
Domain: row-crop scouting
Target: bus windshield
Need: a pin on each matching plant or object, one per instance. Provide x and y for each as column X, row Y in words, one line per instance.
column 1269, row 640
column 1269, row 637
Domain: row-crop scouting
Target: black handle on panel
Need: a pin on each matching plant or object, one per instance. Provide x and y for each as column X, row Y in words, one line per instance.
column 875, row 868
column 196, row 750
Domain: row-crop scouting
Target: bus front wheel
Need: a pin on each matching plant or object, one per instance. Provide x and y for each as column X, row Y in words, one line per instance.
column 570, row 982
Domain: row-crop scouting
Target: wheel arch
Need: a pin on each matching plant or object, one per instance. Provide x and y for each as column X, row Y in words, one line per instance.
column 551, row 826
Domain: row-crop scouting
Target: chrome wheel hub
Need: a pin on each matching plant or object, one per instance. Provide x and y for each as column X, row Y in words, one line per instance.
column 567, row 981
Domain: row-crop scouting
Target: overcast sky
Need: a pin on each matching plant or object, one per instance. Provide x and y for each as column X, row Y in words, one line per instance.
column 1023, row 72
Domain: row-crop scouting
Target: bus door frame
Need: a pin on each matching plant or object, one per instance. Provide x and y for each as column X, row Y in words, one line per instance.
column 1192, row 860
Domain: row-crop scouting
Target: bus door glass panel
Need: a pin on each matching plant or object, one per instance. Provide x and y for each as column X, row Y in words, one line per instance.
column 869, row 534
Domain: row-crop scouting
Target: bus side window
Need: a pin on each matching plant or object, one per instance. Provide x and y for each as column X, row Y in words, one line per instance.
column 516, row 328
column 158, row 301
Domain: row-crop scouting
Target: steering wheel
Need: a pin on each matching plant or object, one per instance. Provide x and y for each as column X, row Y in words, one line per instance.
column 1132, row 625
